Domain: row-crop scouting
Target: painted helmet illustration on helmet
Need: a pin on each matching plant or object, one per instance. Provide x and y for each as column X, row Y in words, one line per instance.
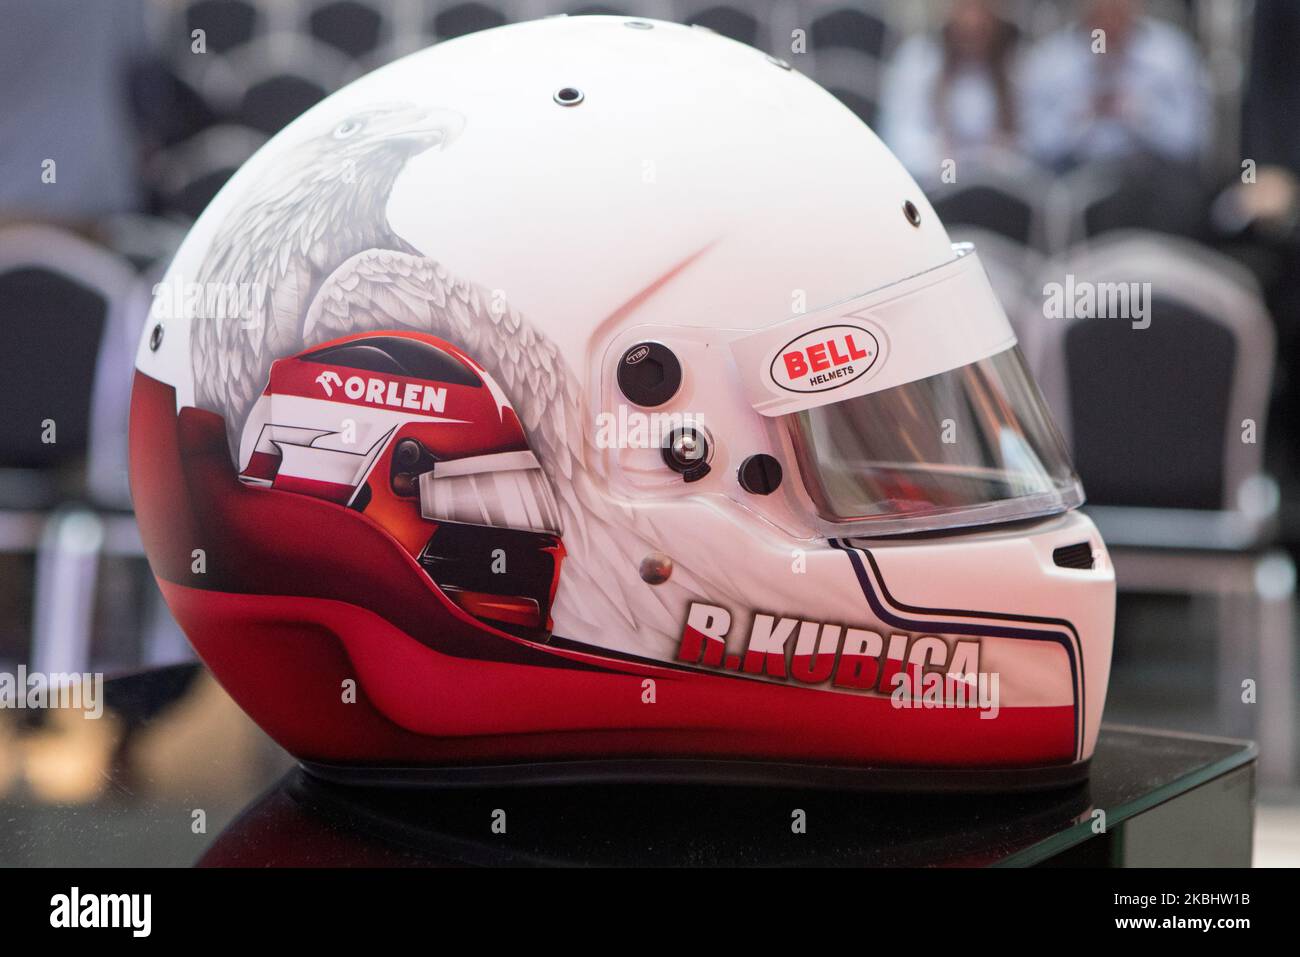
column 601, row 396
column 362, row 422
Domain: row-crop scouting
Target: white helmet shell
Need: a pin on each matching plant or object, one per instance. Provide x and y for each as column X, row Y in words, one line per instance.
column 558, row 198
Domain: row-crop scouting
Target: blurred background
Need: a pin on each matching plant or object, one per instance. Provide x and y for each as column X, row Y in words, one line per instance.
column 1171, row 160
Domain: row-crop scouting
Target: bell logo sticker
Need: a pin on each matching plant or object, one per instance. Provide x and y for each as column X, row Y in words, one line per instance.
column 824, row 358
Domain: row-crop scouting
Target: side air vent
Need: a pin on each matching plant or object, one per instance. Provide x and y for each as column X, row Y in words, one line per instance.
column 1074, row 556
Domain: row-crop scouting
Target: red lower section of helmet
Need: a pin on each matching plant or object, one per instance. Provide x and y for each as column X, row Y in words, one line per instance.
column 288, row 661
column 301, row 602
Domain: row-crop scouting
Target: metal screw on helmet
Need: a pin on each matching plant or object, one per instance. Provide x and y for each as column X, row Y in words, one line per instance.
column 686, row 451
column 410, row 458
column 568, row 96
column 777, row 61
column 912, row 213
column 155, row 338
column 407, row 452
column 638, row 25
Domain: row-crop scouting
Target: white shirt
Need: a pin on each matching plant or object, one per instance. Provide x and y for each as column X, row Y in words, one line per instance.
column 1156, row 80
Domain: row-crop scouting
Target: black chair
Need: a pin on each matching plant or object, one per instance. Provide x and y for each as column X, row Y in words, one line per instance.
column 53, row 325
column 1170, row 455
column 598, row 10
column 1164, row 409
column 67, row 366
column 1005, row 197
column 165, row 105
column 730, row 22
column 226, row 23
column 850, row 27
column 463, row 18
column 278, row 77
column 1154, row 405
column 987, row 206
column 1142, row 193
column 187, row 177
column 273, row 102
column 350, row 26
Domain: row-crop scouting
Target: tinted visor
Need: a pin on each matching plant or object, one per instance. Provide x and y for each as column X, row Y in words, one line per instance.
column 972, row 445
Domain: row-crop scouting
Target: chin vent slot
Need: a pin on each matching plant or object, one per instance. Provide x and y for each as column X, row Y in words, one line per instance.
column 1074, row 556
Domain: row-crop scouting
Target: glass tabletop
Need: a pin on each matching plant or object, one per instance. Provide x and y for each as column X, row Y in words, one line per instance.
column 174, row 774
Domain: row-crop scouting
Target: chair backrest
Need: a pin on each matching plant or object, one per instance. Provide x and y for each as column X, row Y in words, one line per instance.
column 273, row 102
column 459, row 19
column 351, row 26
column 852, row 27
column 187, row 176
column 1009, row 267
column 1006, row 200
column 1155, row 415
column 731, row 22
column 225, row 23
column 280, row 75
column 1140, row 194
column 60, row 309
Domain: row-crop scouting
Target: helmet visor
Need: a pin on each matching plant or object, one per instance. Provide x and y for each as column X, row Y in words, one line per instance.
column 972, row 445
column 910, row 408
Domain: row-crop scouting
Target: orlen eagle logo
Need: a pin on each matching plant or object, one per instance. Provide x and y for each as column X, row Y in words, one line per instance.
column 328, row 380
column 825, row 358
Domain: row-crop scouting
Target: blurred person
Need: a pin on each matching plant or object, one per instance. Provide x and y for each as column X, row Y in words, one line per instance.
column 1270, row 131
column 951, row 96
column 1144, row 96
column 64, row 68
column 1257, row 217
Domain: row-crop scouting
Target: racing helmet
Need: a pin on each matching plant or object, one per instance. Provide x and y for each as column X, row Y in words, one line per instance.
column 596, row 395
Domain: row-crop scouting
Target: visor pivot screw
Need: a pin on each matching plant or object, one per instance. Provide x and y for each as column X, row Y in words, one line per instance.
column 686, row 451
column 409, row 459
column 155, row 338
column 407, row 452
column 649, row 374
column 912, row 213
column 760, row 474
column 568, row 96
column 656, row 568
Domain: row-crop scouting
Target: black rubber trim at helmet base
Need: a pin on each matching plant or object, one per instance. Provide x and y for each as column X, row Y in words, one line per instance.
column 711, row 771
